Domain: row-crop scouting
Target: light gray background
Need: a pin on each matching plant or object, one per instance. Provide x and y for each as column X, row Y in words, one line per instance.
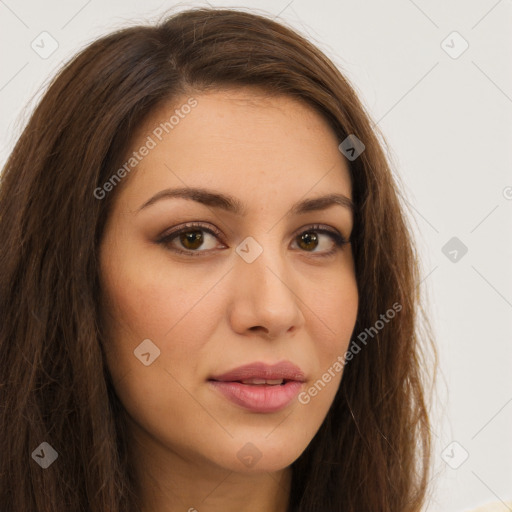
column 448, row 122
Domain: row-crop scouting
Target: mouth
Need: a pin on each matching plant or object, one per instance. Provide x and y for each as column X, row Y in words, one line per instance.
column 259, row 387
column 258, row 382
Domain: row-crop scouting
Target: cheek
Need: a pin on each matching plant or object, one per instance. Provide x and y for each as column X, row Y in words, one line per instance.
column 334, row 309
column 334, row 316
column 174, row 310
column 151, row 303
column 177, row 314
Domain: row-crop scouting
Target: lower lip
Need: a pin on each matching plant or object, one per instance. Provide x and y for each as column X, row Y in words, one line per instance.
column 263, row 398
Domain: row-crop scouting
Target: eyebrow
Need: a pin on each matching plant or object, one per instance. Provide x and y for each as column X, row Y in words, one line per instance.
column 233, row 205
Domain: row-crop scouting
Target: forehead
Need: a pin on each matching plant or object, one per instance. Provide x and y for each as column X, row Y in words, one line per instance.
column 248, row 144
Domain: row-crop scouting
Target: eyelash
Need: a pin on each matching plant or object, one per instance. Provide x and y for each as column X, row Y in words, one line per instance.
column 339, row 239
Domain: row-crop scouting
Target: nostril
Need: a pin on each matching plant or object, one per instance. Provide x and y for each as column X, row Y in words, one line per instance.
column 257, row 327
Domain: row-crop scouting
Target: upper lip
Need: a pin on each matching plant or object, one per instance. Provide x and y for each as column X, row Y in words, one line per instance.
column 283, row 370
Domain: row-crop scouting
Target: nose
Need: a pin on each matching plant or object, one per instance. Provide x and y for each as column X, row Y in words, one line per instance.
column 266, row 297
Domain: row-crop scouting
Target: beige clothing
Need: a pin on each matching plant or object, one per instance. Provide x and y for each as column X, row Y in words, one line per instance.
column 495, row 507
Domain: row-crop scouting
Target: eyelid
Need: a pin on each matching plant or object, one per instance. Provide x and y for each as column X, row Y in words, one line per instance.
column 338, row 238
column 322, row 228
column 190, row 226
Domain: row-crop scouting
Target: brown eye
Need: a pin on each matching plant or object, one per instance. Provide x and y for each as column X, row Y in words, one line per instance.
column 308, row 240
column 191, row 239
column 313, row 240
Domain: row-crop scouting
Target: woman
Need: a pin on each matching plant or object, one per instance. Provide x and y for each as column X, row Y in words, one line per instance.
column 209, row 290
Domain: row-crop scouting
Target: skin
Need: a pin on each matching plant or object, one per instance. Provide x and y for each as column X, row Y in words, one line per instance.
column 211, row 313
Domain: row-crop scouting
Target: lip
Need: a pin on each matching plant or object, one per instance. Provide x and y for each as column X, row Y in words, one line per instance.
column 260, row 398
column 282, row 370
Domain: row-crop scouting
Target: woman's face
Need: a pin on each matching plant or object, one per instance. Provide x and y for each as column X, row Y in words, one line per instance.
column 263, row 285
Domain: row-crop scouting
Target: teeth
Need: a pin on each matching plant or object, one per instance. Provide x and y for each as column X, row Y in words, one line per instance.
column 260, row 382
column 254, row 381
column 275, row 382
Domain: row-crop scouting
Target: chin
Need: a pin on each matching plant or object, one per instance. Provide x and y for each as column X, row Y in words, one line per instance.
column 259, row 455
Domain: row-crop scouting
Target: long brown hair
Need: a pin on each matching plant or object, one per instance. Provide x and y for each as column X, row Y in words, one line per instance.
column 371, row 452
